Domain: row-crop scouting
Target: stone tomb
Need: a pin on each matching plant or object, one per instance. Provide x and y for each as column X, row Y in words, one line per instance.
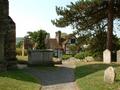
column 107, row 56
column 40, row 57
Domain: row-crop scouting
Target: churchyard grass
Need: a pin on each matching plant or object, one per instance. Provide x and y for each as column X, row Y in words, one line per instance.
column 89, row 76
column 22, row 58
column 17, row 80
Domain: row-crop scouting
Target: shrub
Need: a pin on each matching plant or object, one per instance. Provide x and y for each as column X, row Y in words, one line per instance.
column 97, row 56
column 82, row 55
column 64, row 57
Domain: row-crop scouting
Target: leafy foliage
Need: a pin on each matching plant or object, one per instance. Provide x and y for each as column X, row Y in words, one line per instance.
column 82, row 55
column 19, row 44
column 64, row 57
column 73, row 48
column 38, row 37
column 90, row 19
column 85, row 14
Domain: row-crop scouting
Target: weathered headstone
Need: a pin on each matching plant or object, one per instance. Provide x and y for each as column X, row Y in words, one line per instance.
column 118, row 56
column 107, row 56
column 109, row 75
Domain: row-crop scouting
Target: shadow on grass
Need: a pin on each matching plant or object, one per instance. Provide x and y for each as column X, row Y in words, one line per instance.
column 86, row 69
column 50, row 75
column 18, row 75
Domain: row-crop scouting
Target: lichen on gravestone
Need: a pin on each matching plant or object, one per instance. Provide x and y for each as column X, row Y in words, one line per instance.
column 109, row 75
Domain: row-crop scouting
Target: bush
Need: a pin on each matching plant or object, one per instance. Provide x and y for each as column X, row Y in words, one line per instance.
column 64, row 57
column 82, row 55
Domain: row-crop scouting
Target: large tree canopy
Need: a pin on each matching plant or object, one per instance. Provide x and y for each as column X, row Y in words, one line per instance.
column 85, row 15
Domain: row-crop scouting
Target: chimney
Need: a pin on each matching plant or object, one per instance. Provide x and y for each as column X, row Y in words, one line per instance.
column 58, row 37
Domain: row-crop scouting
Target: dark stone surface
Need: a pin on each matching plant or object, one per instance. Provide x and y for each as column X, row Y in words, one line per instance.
column 7, row 26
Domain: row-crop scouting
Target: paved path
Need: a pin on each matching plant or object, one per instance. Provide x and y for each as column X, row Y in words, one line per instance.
column 61, row 78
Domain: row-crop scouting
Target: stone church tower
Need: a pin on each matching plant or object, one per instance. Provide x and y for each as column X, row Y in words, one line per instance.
column 7, row 37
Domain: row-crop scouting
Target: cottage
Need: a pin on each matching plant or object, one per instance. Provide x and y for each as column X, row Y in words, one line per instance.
column 59, row 44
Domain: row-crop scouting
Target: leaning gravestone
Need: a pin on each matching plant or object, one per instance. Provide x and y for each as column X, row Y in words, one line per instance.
column 118, row 56
column 107, row 56
column 109, row 75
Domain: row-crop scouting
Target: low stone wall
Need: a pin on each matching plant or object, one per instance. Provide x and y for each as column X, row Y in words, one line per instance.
column 40, row 57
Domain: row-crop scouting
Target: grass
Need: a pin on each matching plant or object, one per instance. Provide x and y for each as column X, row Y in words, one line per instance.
column 17, row 80
column 22, row 59
column 89, row 76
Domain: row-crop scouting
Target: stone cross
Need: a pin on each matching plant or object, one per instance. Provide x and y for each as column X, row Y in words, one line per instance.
column 107, row 56
column 118, row 56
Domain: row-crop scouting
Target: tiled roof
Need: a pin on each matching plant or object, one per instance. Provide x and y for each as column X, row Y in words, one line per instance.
column 53, row 44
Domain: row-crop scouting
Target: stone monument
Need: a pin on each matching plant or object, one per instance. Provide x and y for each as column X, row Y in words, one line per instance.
column 7, row 36
column 107, row 56
column 109, row 75
column 118, row 56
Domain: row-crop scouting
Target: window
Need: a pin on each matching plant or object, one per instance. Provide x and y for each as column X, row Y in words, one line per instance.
column 72, row 41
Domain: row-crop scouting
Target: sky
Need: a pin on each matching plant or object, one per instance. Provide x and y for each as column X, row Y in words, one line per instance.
column 33, row 15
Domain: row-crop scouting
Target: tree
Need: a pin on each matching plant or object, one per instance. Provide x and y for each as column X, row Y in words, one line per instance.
column 19, row 44
column 85, row 15
column 38, row 37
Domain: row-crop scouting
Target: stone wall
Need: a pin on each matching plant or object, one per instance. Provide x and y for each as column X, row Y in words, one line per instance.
column 10, row 40
column 40, row 57
column 7, row 32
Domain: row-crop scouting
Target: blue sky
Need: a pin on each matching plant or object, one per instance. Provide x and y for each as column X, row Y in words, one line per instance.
column 32, row 15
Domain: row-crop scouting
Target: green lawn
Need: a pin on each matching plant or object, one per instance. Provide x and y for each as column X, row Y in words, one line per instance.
column 17, row 80
column 22, row 58
column 89, row 76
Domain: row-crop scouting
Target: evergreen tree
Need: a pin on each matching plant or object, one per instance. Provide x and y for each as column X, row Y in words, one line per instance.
column 86, row 15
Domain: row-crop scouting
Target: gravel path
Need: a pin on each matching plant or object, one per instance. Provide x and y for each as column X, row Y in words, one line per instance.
column 61, row 78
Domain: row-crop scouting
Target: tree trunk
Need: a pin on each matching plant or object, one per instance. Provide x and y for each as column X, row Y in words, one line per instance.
column 110, row 25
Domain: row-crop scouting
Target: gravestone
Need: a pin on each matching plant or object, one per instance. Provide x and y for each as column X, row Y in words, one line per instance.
column 107, row 56
column 109, row 75
column 118, row 56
